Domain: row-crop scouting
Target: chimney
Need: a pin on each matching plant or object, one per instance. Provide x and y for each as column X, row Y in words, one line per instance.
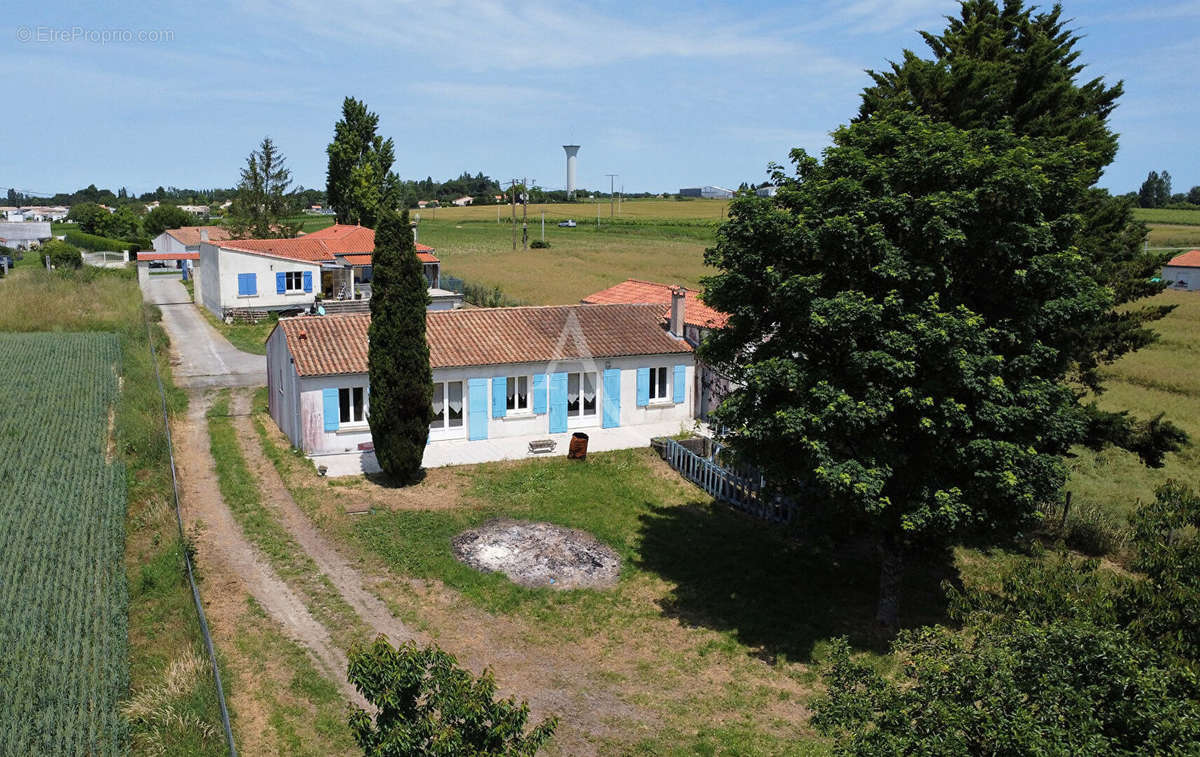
column 678, row 294
column 203, row 233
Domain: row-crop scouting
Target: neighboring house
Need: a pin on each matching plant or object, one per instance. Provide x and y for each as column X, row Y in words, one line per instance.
column 463, row 201
column 289, row 274
column 188, row 238
column 25, row 235
column 711, row 386
column 199, row 210
column 1183, row 271
column 767, row 191
column 508, row 375
column 707, row 192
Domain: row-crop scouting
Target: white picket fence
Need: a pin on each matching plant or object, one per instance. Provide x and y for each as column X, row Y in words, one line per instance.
column 742, row 489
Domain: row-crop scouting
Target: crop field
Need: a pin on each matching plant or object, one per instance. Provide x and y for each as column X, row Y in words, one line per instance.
column 586, row 211
column 1168, row 215
column 63, row 595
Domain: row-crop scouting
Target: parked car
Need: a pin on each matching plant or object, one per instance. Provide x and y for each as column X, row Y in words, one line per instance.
column 569, row 223
column 6, row 261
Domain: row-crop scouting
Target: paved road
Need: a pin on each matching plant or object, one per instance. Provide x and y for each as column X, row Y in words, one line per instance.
column 201, row 357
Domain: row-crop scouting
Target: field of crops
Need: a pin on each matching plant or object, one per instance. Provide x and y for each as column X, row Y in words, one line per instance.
column 63, row 593
column 1180, row 216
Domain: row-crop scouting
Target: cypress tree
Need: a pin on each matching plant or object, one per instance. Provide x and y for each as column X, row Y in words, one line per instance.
column 398, row 354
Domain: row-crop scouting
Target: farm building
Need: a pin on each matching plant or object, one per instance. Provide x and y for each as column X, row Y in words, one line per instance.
column 24, row 235
column 289, row 274
column 767, row 191
column 1183, row 271
column 710, row 386
column 184, row 243
column 707, row 192
column 503, row 378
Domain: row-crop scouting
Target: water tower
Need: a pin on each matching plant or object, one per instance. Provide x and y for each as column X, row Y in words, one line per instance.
column 572, row 151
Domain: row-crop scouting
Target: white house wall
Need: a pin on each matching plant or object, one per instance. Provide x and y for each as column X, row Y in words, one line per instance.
column 1182, row 277
column 314, row 439
column 283, row 387
column 221, row 280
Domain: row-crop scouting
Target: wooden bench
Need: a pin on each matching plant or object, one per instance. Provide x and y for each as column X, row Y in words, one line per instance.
column 541, row 446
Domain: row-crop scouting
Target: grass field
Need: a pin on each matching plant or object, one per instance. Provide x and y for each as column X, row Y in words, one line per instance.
column 172, row 707
column 63, row 596
column 1162, row 378
column 1167, row 216
column 585, row 211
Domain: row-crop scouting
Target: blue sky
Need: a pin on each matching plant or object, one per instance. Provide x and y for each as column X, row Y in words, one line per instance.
column 664, row 94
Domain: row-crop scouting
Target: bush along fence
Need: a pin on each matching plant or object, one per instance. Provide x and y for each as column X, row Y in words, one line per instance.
column 479, row 295
column 103, row 244
column 701, row 461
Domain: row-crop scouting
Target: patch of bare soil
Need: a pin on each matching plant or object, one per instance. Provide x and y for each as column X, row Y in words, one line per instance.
column 232, row 568
column 539, row 554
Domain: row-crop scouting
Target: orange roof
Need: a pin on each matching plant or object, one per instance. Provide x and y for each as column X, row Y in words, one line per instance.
column 302, row 248
column 365, row 259
column 343, row 238
column 1189, row 259
column 695, row 312
column 337, row 344
column 189, row 236
column 168, row 256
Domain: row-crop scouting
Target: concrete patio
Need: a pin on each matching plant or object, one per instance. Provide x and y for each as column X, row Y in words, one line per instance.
column 463, row 452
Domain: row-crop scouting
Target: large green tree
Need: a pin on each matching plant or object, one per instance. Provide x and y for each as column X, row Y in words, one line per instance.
column 903, row 316
column 166, row 217
column 264, row 197
column 401, row 404
column 360, row 184
column 1014, row 67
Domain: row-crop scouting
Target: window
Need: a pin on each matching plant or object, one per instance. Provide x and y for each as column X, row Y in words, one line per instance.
column 294, row 281
column 247, row 284
column 581, row 403
column 658, row 383
column 447, row 405
column 350, row 405
column 518, row 393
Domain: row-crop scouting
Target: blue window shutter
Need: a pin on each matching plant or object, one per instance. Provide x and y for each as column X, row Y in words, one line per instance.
column 477, row 416
column 679, row 385
column 247, row 284
column 499, row 396
column 280, row 282
column 329, row 398
column 308, row 281
column 643, row 387
column 539, row 394
column 558, row 403
column 612, row 398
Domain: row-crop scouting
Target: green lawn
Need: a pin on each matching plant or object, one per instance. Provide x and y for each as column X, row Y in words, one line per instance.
column 1168, row 215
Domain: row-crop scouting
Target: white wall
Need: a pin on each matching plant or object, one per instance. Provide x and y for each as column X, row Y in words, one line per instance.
column 283, row 387
column 164, row 242
column 1182, row 277
column 310, row 434
column 219, row 269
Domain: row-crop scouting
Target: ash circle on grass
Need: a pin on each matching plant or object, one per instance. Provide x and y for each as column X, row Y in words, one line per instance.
column 539, row 554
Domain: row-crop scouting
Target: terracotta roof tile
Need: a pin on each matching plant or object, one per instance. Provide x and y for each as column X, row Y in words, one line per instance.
column 695, row 312
column 343, row 238
column 332, row 345
column 304, row 249
column 189, row 236
column 1189, row 259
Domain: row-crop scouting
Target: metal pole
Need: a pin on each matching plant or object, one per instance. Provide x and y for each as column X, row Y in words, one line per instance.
column 513, row 205
column 611, row 177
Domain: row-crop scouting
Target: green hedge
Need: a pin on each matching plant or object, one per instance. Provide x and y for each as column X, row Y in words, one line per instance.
column 100, row 244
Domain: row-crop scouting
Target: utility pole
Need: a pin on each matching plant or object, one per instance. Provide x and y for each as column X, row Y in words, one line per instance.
column 512, row 188
column 611, row 177
column 525, row 214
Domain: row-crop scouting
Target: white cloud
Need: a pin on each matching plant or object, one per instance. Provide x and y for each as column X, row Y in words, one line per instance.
column 531, row 34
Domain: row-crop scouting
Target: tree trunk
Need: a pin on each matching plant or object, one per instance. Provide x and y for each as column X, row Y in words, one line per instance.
column 891, row 574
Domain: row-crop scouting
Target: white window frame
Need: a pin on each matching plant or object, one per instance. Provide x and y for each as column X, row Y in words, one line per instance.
column 350, row 407
column 512, row 396
column 581, row 416
column 287, row 279
column 660, row 385
column 443, row 427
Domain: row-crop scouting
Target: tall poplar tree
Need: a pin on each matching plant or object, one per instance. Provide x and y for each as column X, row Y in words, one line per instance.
column 401, row 404
column 360, row 184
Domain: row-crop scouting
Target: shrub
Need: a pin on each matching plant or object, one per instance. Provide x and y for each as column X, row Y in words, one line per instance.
column 539, row 244
column 62, row 255
column 1088, row 528
column 430, row 706
column 96, row 243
